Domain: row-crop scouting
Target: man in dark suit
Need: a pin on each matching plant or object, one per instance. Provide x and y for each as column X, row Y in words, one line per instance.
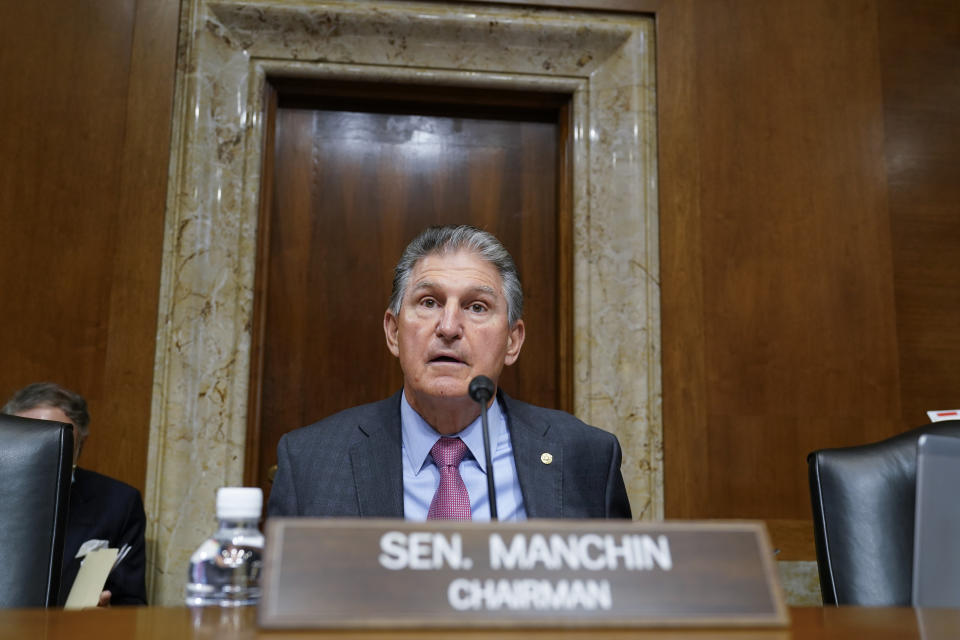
column 455, row 313
column 110, row 512
column 104, row 513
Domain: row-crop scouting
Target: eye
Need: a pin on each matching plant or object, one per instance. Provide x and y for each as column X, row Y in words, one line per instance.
column 428, row 303
column 477, row 307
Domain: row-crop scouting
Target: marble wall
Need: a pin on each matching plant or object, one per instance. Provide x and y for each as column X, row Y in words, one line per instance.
column 227, row 51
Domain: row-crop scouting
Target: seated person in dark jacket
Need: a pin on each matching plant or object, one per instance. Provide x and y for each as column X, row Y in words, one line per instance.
column 104, row 513
column 456, row 312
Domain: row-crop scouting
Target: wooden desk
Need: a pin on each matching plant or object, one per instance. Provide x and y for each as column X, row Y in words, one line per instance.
column 156, row 623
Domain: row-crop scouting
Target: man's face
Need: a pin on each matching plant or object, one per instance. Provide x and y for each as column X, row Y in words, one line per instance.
column 57, row 415
column 452, row 326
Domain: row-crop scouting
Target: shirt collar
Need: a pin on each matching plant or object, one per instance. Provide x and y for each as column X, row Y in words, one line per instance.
column 419, row 437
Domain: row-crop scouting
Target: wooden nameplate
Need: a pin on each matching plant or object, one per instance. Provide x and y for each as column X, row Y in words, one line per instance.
column 347, row 573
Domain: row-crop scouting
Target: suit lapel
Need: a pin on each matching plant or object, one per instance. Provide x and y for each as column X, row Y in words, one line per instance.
column 540, row 482
column 377, row 465
column 81, row 517
column 78, row 531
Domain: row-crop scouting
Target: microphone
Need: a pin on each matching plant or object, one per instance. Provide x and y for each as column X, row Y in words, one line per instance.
column 481, row 390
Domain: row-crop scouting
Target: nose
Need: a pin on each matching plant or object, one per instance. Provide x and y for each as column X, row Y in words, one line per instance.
column 450, row 324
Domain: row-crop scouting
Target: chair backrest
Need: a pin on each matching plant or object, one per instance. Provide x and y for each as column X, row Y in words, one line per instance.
column 36, row 459
column 863, row 516
column 936, row 528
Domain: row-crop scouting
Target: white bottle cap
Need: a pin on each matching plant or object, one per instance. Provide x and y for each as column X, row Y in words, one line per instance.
column 239, row 502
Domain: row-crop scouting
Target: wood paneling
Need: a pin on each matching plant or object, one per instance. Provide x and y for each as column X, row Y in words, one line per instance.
column 84, row 146
column 920, row 56
column 781, row 273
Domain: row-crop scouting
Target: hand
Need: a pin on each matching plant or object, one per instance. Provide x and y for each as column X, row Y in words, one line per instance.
column 104, row 599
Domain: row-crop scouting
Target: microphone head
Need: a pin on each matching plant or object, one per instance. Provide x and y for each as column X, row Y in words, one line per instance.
column 481, row 388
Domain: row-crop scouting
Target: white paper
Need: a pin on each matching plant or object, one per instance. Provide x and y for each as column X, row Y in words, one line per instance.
column 91, row 545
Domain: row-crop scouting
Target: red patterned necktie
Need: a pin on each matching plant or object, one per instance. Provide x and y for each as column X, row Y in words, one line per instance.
column 451, row 501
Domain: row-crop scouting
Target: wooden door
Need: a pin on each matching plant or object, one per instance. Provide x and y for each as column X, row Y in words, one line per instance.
column 353, row 177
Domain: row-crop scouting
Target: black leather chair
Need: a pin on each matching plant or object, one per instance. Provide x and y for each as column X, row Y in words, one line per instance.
column 863, row 509
column 36, row 458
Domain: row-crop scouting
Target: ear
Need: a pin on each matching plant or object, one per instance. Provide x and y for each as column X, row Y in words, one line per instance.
column 390, row 329
column 514, row 342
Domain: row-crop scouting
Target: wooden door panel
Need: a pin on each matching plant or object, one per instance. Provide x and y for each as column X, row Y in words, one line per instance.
column 349, row 188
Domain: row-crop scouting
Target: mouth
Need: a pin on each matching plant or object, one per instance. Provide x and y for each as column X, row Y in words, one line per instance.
column 445, row 359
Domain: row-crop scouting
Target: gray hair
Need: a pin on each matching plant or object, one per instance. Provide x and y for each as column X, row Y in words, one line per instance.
column 451, row 238
column 48, row 394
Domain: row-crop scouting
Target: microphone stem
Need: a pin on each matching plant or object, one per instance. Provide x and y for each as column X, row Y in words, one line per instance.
column 491, row 487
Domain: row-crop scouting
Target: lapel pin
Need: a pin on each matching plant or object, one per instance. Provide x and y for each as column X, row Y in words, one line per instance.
column 546, row 458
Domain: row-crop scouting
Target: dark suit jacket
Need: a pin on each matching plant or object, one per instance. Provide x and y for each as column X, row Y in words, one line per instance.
column 102, row 508
column 349, row 465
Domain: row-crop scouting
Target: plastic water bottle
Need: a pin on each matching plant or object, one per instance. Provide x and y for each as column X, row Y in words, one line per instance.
column 225, row 569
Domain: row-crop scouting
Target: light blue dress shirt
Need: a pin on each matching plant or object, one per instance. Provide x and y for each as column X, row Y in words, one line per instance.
column 421, row 476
